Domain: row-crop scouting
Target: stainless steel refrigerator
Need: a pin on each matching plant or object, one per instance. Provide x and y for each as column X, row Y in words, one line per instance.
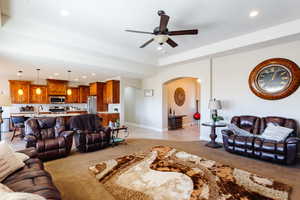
column 92, row 105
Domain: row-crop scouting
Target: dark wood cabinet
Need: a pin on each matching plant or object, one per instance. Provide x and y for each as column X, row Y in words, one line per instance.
column 19, row 91
column 112, row 92
column 57, row 87
column 73, row 96
column 84, row 92
column 41, row 98
column 175, row 122
column 97, row 89
column 107, row 117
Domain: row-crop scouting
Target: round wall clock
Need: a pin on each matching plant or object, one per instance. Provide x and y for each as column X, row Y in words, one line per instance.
column 275, row 78
column 179, row 96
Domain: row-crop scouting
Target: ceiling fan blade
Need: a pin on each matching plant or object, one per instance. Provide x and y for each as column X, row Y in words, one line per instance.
column 132, row 31
column 172, row 43
column 164, row 20
column 184, row 32
column 148, row 42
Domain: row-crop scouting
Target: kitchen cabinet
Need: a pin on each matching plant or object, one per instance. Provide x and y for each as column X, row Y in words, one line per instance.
column 84, row 92
column 57, row 87
column 112, row 92
column 74, row 96
column 107, row 117
column 38, row 98
column 19, row 91
column 97, row 89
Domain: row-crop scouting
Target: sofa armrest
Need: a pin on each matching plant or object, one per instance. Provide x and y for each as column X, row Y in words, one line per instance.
column 292, row 140
column 31, row 152
column 227, row 132
column 30, row 141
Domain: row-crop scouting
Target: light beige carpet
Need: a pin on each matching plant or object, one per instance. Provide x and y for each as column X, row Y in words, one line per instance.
column 72, row 177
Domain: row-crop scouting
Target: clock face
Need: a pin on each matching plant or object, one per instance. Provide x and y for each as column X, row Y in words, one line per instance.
column 273, row 79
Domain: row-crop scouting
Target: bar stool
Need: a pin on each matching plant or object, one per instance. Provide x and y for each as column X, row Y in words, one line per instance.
column 18, row 124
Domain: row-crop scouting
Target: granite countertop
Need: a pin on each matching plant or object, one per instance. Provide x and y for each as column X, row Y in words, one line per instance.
column 45, row 115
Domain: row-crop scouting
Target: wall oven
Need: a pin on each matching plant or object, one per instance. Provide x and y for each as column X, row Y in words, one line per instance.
column 57, row 99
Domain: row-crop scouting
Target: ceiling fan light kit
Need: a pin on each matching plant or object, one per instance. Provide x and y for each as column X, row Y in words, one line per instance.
column 162, row 33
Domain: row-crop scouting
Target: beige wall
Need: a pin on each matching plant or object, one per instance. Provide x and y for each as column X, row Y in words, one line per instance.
column 230, row 84
column 191, row 87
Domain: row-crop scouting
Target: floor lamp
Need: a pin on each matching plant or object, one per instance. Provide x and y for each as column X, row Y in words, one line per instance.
column 4, row 101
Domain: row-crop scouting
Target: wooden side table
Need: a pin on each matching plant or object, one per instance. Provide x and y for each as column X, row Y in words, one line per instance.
column 213, row 135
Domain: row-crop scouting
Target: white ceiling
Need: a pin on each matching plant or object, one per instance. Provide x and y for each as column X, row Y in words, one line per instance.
column 93, row 34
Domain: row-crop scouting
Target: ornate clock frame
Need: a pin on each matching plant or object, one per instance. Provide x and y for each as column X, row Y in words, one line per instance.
column 293, row 86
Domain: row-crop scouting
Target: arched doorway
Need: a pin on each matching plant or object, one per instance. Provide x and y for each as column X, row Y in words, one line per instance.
column 191, row 88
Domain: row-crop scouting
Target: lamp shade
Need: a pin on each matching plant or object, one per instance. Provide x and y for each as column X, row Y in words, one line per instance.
column 215, row 104
column 4, row 100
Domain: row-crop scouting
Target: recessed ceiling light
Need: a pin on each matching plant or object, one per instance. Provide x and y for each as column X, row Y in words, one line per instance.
column 93, row 74
column 84, row 77
column 159, row 48
column 56, row 74
column 64, row 13
column 253, row 13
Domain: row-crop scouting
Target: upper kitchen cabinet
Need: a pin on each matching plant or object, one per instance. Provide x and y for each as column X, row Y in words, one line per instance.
column 112, row 92
column 72, row 95
column 57, row 87
column 19, row 91
column 38, row 94
column 84, row 92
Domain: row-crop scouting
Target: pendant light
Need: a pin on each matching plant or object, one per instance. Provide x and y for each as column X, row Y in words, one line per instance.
column 20, row 90
column 38, row 90
column 69, row 91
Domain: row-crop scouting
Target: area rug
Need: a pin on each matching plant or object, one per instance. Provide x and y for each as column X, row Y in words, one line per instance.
column 165, row 173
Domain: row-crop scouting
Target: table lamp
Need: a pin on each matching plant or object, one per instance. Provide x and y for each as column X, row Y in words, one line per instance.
column 4, row 101
column 214, row 105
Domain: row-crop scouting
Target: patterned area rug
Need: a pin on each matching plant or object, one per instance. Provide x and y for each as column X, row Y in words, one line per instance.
column 165, row 173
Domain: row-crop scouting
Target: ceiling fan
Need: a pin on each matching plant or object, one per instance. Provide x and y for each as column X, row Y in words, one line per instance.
column 162, row 32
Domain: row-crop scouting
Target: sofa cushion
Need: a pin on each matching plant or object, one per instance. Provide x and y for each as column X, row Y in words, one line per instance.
column 20, row 196
column 276, row 133
column 9, row 162
column 238, row 131
column 21, row 156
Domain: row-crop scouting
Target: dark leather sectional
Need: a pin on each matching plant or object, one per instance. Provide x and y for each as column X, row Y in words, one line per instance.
column 284, row 152
column 49, row 136
column 33, row 178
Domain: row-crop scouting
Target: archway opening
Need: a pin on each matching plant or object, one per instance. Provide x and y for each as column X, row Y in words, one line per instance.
column 181, row 105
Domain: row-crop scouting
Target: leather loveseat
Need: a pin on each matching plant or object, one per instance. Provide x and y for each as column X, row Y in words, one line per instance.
column 89, row 134
column 284, row 152
column 49, row 137
column 32, row 178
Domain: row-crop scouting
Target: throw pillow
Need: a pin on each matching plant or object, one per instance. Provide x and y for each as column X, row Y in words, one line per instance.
column 238, row 131
column 4, row 188
column 9, row 162
column 277, row 133
column 21, row 156
column 19, row 196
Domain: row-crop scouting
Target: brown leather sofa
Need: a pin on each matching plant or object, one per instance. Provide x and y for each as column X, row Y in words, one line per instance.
column 33, row 178
column 284, row 152
column 49, row 137
column 89, row 134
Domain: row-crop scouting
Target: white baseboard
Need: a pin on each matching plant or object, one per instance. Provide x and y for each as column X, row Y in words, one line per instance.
column 144, row 126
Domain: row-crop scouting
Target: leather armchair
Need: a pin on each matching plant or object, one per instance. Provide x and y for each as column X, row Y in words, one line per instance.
column 284, row 152
column 89, row 134
column 49, row 137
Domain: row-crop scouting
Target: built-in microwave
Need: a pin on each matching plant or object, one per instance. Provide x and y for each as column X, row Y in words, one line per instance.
column 57, row 99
